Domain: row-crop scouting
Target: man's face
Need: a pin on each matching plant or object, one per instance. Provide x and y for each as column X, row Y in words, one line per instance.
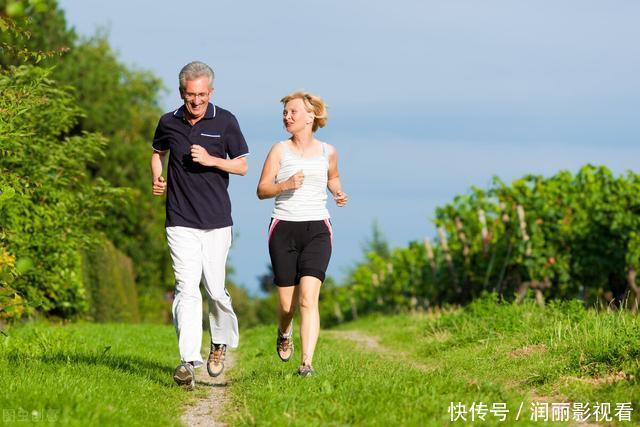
column 196, row 94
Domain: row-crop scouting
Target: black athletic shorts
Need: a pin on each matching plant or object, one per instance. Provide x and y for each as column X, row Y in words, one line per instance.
column 299, row 249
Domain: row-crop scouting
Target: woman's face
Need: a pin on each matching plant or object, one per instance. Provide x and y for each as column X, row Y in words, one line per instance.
column 295, row 117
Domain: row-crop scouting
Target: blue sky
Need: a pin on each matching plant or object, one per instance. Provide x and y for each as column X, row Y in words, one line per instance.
column 426, row 97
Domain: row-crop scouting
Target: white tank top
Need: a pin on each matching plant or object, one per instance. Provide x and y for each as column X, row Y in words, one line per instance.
column 307, row 203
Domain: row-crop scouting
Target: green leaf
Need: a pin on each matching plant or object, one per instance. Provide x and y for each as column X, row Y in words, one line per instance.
column 14, row 9
column 23, row 265
column 6, row 193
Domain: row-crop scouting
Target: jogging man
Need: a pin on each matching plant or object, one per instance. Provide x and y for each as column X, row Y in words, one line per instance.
column 205, row 145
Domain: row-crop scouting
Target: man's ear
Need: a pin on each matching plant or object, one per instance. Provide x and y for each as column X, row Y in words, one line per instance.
column 181, row 93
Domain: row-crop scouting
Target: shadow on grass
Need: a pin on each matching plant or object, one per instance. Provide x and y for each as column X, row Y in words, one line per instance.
column 132, row 365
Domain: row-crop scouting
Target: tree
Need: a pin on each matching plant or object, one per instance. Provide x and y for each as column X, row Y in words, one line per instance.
column 377, row 243
column 55, row 208
column 117, row 102
column 266, row 280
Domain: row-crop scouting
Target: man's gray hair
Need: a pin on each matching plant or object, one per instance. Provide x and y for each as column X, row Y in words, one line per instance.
column 194, row 70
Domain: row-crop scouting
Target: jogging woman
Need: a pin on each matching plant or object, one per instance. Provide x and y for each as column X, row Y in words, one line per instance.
column 297, row 173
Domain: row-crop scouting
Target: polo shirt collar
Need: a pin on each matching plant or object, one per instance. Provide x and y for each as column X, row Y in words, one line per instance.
column 209, row 114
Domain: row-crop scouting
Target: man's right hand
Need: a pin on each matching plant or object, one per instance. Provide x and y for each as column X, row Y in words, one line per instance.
column 159, row 186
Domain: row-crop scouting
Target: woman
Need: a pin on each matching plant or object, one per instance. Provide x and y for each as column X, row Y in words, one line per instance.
column 297, row 172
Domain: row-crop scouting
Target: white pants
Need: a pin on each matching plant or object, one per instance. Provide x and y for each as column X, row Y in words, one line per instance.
column 201, row 254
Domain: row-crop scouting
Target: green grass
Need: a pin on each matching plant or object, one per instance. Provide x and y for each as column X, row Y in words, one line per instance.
column 488, row 352
column 90, row 375
column 120, row 375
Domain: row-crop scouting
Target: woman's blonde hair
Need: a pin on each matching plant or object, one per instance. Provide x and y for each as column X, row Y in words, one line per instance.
column 313, row 104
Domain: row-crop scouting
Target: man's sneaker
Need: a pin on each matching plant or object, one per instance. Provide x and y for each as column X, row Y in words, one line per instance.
column 184, row 376
column 284, row 345
column 306, row 371
column 215, row 363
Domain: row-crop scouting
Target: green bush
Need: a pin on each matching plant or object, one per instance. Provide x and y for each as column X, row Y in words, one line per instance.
column 54, row 206
column 568, row 236
column 12, row 305
column 110, row 282
column 111, row 100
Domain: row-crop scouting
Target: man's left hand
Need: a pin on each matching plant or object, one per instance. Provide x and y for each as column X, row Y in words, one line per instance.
column 200, row 155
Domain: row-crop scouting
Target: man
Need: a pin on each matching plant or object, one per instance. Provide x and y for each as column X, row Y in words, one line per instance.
column 205, row 145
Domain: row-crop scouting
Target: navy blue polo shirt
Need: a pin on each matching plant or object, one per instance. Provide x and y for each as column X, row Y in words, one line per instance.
column 197, row 195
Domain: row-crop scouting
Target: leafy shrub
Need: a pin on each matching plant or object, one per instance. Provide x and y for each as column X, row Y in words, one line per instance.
column 110, row 282
column 566, row 237
column 55, row 207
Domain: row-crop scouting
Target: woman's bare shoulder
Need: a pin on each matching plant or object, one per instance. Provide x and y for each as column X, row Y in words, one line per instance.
column 331, row 150
column 277, row 148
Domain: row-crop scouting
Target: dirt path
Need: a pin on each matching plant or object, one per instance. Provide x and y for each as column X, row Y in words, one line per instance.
column 370, row 343
column 207, row 409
